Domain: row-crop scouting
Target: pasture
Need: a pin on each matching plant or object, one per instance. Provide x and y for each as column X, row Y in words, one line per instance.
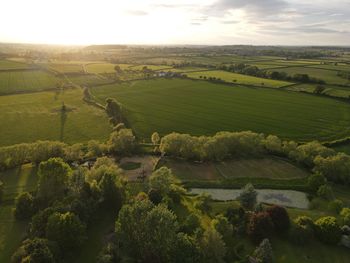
column 272, row 168
column 8, row 64
column 99, row 68
column 26, row 81
column 238, row 78
column 203, row 108
column 38, row 116
column 89, row 80
column 329, row 76
column 66, row 67
column 11, row 231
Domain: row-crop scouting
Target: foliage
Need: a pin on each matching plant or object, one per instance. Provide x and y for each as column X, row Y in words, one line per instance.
column 190, row 224
column 345, row 215
column 302, row 230
column 35, row 250
column 67, row 230
column 53, row 179
column 212, row 247
column 147, row 232
column 122, row 142
column 336, row 206
column 315, row 181
column 187, row 250
column 328, row 230
column 111, row 191
column 279, row 217
column 248, row 196
column 24, row 206
column 326, row 192
column 263, row 253
column 260, row 226
column 223, row 226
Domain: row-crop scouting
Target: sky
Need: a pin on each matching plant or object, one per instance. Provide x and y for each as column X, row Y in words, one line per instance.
column 202, row 22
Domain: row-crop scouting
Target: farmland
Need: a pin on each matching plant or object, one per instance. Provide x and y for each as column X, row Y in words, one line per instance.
column 200, row 108
column 37, row 116
column 8, row 64
column 239, row 78
column 25, row 81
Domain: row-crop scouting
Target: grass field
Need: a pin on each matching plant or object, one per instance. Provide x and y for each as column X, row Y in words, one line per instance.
column 265, row 168
column 66, row 67
column 104, row 67
column 200, row 107
column 15, row 81
column 37, row 116
column 329, row 76
column 89, row 80
column 7, row 64
column 239, row 78
column 11, row 232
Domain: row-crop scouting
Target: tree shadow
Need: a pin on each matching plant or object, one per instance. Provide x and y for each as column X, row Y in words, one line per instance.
column 64, row 117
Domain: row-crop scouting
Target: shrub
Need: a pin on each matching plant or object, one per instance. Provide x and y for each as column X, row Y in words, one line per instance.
column 263, row 253
column 34, row 250
column 336, row 206
column 279, row 217
column 345, row 215
column 302, row 230
column 155, row 196
column 222, row 225
column 315, row 181
column 24, row 206
column 328, row 230
column 325, row 192
column 260, row 226
column 248, row 196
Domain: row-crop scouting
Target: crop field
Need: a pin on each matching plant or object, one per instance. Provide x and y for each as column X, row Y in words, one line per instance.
column 104, row 67
column 329, row 76
column 38, row 116
column 11, row 231
column 239, row 78
column 8, row 64
column 152, row 67
column 15, row 81
column 254, row 168
column 330, row 90
column 203, row 108
column 89, row 80
column 66, row 67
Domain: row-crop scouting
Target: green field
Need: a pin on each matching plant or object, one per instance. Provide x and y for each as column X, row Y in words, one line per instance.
column 17, row 81
column 255, row 168
column 89, row 80
column 8, row 64
column 37, row 116
column 11, row 232
column 200, row 107
column 99, row 68
column 329, row 76
column 66, row 67
column 239, row 78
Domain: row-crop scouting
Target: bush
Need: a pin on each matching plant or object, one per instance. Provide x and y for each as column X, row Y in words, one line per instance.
column 279, row 217
column 315, row 181
column 35, row 250
column 328, row 230
column 302, row 230
column 345, row 215
column 24, row 206
column 325, row 192
column 263, row 253
column 336, row 206
column 260, row 226
column 248, row 196
column 155, row 196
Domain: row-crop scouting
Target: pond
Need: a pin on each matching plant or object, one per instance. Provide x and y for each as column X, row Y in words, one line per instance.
column 288, row 198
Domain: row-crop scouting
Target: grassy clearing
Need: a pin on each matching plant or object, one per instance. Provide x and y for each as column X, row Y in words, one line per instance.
column 31, row 117
column 203, row 108
column 15, row 81
column 11, row 232
column 239, row 78
column 7, row 64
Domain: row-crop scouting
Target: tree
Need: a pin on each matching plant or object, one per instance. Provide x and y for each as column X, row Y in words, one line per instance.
column 24, row 206
column 67, row 230
column 328, row 230
column 53, row 179
column 319, row 89
column 163, row 180
column 35, row 250
column 147, row 232
column 302, row 230
column 113, row 110
column 345, row 215
column 122, row 142
column 1, row 191
column 222, row 225
column 315, row 181
column 260, row 226
column 279, row 217
column 190, row 224
column 186, row 249
column 111, row 191
column 248, row 196
column 263, row 253
column 155, row 138
column 155, row 196
column 325, row 192
column 212, row 246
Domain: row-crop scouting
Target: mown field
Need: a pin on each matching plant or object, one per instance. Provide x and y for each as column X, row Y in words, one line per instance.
column 89, row 80
column 11, row 231
column 16, row 81
column 239, row 78
column 254, row 168
column 8, row 64
column 200, row 107
column 38, row 116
